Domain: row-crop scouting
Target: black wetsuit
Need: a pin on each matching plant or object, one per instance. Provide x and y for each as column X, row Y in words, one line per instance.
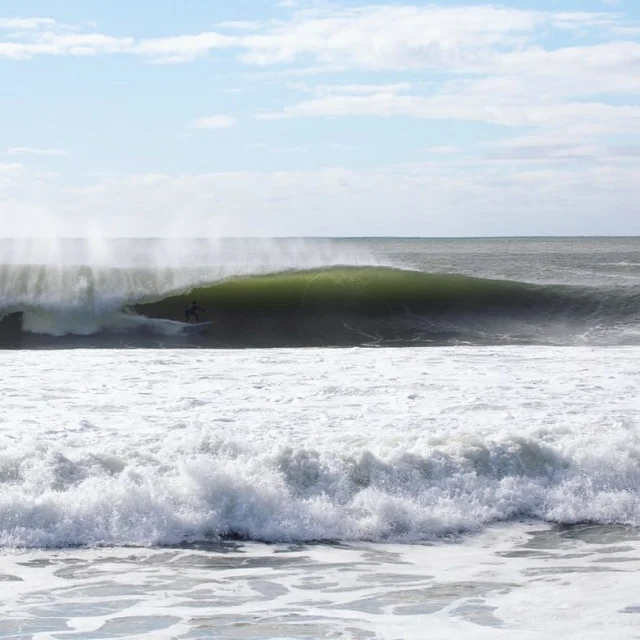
column 192, row 311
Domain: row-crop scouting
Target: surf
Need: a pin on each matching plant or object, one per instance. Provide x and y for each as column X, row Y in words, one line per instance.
column 329, row 306
column 202, row 484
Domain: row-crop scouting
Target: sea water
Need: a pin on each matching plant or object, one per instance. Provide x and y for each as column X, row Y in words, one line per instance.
column 451, row 489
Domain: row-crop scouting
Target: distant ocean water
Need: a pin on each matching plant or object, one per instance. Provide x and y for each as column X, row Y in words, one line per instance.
column 456, row 449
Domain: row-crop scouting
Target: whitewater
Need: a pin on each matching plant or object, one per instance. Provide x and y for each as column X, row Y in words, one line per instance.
column 469, row 469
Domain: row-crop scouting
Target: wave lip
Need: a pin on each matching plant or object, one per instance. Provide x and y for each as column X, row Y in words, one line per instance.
column 224, row 489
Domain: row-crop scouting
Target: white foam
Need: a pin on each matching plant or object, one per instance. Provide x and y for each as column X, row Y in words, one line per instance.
column 153, row 447
column 81, row 322
column 522, row 580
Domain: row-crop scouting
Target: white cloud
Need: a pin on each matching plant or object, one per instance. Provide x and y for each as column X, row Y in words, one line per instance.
column 26, row 24
column 602, row 117
column 369, row 37
column 183, row 48
column 585, row 70
column 218, row 121
column 389, row 37
column 398, row 37
column 556, row 91
column 420, row 200
column 50, row 43
column 14, row 151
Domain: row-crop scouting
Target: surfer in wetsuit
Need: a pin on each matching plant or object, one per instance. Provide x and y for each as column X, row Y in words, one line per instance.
column 191, row 310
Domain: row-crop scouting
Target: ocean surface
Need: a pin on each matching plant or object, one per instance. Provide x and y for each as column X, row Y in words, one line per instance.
column 362, row 438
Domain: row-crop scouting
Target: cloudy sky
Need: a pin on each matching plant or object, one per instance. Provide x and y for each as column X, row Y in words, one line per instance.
column 313, row 118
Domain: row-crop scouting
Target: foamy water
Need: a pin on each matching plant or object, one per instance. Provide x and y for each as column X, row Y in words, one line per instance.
column 520, row 581
column 478, row 452
column 158, row 448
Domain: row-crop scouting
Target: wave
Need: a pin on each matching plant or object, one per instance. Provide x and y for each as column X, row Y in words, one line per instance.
column 333, row 306
column 199, row 487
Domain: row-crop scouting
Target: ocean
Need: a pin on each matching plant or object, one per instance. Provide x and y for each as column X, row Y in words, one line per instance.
column 361, row 438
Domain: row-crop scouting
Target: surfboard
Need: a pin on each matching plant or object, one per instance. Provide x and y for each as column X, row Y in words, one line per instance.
column 192, row 326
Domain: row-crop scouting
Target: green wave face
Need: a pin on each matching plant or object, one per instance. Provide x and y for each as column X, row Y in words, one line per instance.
column 358, row 290
column 354, row 306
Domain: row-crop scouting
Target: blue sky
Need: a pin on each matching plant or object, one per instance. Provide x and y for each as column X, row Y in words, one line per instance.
column 259, row 117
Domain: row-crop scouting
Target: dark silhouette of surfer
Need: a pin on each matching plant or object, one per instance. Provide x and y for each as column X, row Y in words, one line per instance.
column 191, row 311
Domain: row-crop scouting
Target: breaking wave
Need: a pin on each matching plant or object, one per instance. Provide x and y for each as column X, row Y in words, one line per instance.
column 201, row 487
column 332, row 306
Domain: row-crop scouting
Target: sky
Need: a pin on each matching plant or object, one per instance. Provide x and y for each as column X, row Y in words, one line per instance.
column 312, row 118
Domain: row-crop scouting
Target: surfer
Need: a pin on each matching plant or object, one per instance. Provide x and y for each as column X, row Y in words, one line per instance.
column 191, row 310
